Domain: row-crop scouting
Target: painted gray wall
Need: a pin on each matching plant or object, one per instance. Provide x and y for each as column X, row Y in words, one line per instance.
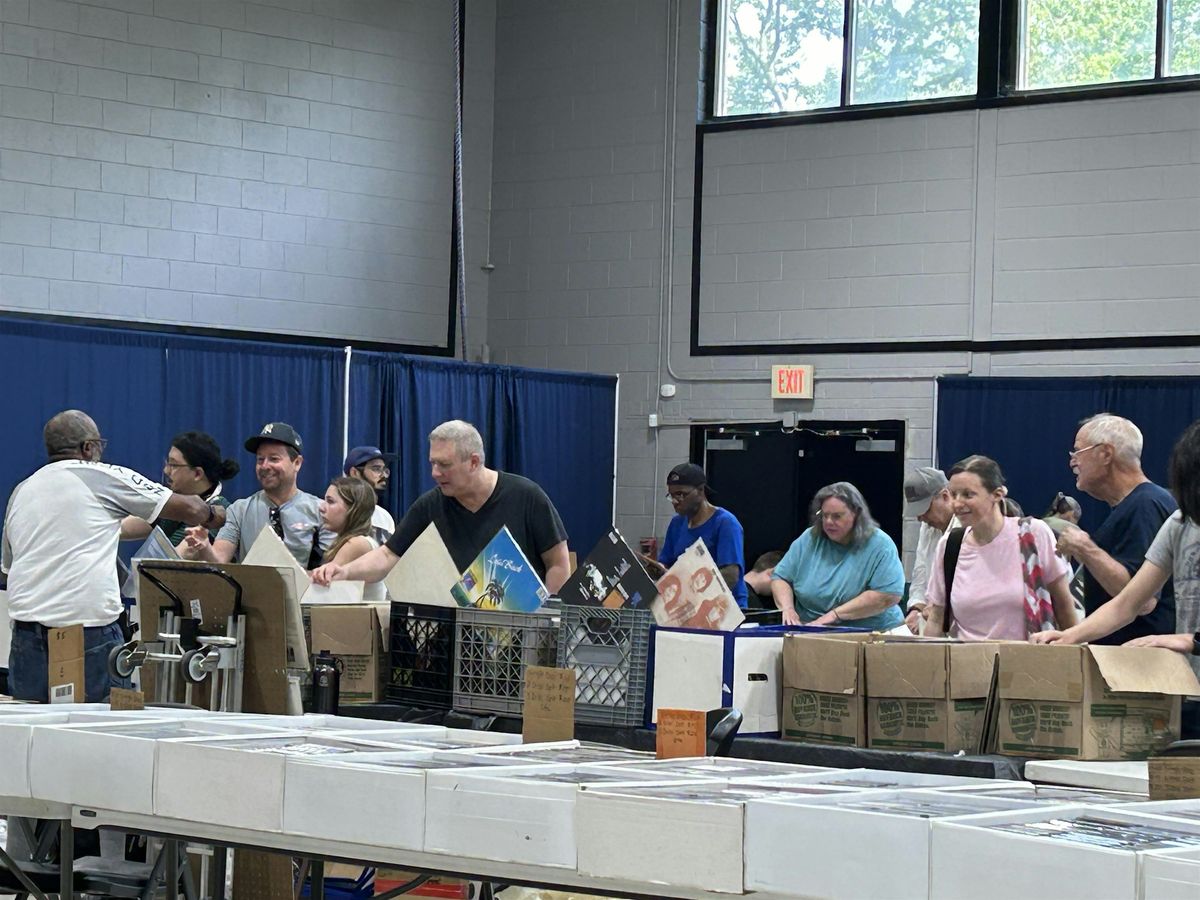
column 1075, row 219
column 275, row 166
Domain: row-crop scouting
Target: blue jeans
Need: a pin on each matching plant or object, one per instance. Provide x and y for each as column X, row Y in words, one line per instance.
column 28, row 663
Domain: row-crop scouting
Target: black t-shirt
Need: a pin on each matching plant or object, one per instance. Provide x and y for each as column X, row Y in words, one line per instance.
column 516, row 502
column 1125, row 536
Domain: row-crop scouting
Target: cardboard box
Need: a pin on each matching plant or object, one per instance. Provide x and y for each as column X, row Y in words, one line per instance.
column 824, row 689
column 1090, row 702
column 977, row 860
column 927, row 695
column 64, row 649
column 893, row 863
column 352, row 634
column 1129, row 777
column 692, row 669
column 1174, row 777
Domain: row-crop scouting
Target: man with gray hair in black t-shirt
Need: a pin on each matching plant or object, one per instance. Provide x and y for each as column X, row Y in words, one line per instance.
column 469, row 504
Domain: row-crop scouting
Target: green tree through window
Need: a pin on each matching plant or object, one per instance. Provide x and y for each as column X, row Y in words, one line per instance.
column 1071, row 42
column 914, row 50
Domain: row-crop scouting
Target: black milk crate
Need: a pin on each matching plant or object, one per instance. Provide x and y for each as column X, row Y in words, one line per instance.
column 421, row 645
column 608, row 650
column 495, row 648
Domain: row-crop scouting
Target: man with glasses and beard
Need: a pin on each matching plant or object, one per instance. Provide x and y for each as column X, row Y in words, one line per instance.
column 698, row 519
column 61, row 532
column 370, row 464
column 292, row 514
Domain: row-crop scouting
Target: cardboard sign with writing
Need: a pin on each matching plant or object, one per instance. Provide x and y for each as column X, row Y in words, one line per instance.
column 65, row 654
column 122, row 698
column 681, row 732
column 1174, row 777
column 549, row 711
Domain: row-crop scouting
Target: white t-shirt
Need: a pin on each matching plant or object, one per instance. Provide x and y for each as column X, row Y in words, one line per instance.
column 61, row 532
column 383, row 526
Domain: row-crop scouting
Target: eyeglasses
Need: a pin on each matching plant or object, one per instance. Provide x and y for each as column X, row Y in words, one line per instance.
column 103, row 442
column 1074, row 453
column 833, row 517
column 168, row 464
column 276, row 521
column 681, row 495
column 379, row 469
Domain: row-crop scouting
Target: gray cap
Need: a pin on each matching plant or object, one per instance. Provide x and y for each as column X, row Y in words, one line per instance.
column 920, row 486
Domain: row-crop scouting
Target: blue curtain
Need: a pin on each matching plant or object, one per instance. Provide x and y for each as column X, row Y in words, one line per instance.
column 1028, row 424
column 117, row 377
column 547, row 426
column 231, row 388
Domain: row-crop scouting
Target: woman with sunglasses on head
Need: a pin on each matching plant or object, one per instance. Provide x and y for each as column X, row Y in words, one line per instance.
column 1006, row 580
column 844, row 569
column 193, row 466
column 697, row 518
column 346, row 511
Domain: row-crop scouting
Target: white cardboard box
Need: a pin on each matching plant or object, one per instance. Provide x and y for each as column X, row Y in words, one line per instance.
column 366, row 798
column 109, row 765
column 1132, row 777
column 887, row 780
column 564, row 753
column 314, row 722
column 723, row 767
column 1170, row 875
column 863, row 845
column 695, row 669
column 980, row 861
column 239, row 781
column 522, row 814
column 689, row 837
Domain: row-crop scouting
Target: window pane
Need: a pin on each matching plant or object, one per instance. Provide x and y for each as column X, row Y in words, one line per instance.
column 914, row 50
column 1183, row 38
column 1071, row 42
column 779, row 56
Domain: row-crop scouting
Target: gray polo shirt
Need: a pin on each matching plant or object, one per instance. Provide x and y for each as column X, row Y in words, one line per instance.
column 301, row 518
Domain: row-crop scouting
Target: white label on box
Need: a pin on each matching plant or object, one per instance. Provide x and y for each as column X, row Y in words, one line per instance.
column 63, row 693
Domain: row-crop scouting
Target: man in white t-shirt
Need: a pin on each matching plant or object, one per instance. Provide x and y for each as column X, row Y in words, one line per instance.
column 927, row 497
column 371, row 465
column 61, row 531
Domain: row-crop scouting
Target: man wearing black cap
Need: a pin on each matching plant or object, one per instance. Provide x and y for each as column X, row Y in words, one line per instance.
column 697, row 519
column 370, row 464
column 293, row 514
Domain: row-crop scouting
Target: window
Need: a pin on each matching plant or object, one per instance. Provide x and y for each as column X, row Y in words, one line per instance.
column 774, row 57
column 1074, row 42
column 779, row 56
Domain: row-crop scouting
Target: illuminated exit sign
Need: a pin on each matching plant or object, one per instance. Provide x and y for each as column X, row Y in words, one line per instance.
column 791, row 382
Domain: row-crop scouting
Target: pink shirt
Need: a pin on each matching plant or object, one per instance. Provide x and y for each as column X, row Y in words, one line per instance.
column 989, row 590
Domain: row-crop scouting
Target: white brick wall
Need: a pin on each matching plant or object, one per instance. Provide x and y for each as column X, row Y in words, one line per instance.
column 891, row 228
column 280, row 166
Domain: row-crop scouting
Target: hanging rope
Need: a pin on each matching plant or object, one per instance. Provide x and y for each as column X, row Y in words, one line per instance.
column 459, row 244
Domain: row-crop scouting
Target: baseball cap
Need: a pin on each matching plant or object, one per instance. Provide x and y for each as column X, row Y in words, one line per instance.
column 280, row 432
column 360, row 456
column 687, row 475
column 920, row 486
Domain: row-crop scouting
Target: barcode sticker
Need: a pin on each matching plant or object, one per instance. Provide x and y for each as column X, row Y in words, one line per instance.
column 197, row 609
column 62, row 693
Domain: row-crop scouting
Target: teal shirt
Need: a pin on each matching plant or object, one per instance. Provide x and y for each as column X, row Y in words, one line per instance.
column 824, row 575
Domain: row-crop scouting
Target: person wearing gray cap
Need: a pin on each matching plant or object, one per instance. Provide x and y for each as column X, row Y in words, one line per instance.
column 926, row 497
column 292, row 514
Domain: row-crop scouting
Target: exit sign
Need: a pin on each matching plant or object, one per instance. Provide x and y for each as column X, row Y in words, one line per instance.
column 791, row 382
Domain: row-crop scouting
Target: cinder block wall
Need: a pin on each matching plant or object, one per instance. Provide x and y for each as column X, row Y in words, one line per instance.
column 276, row 166
column 1074, row 219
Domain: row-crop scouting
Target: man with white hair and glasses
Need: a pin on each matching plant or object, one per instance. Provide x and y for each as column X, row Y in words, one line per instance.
column 1107, row 462
column 469, row 504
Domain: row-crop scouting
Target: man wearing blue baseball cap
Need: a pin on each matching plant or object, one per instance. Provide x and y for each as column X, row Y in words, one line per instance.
column 372, row 465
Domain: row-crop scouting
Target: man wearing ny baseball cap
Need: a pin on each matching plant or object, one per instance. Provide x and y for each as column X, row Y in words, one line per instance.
column 371, row 465
column 696, row 518
column 291, row 513
column 927, row 498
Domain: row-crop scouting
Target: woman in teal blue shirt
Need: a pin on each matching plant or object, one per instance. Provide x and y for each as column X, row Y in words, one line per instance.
column 843, row 569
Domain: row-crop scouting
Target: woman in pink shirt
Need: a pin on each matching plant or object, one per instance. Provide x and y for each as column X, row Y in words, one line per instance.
column 1008, row 581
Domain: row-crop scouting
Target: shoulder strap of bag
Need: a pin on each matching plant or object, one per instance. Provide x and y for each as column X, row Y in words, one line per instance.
column 949, row 563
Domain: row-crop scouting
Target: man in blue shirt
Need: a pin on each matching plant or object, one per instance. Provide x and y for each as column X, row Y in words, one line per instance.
column 697, row 519
column 1107, row 462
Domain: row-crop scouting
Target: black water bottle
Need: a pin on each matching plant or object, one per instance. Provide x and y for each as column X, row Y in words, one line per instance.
column 327, row 681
